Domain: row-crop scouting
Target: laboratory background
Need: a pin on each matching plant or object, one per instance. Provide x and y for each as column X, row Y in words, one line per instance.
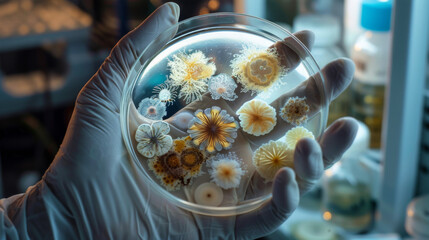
column 379, row 189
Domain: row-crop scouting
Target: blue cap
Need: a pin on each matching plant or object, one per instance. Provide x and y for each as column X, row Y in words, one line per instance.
column 376, row 15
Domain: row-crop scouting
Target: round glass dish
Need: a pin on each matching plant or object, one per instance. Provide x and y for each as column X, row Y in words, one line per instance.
column 207, row 108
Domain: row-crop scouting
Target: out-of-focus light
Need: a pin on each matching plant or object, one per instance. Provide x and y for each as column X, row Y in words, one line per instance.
column 23, row 30
column 328, row 173
column 213, row 5
column 368, row 34
column 410, row 213
column 85, row 20
column 357, row 48
column 27, row 5
column 327, row 216
column 204, row 10
column 156, row 2
column 55, row 26
column 39, row 27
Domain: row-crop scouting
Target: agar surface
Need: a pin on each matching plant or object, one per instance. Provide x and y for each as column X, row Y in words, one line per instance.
column 222, row 86
column 270, row 157
column 295, row 134
column 257, row 117
column 178, row 166
column 295, row 111
column 165, row 92
column 225, row 170
column 213, row 129
column 191, row 72
column 153, row 139
column 256, row 69
column 152, row 108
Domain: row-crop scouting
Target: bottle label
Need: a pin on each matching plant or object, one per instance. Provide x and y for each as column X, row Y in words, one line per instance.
column 371, row 59
column 369, row 72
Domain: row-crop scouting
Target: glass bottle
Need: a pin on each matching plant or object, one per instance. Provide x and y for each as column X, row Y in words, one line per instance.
column 370, row 54
column 346, row 195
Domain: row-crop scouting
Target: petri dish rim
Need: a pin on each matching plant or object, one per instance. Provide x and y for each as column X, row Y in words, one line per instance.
column 191, row 26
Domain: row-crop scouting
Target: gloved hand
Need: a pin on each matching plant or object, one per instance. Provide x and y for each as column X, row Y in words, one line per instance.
column 93, row 190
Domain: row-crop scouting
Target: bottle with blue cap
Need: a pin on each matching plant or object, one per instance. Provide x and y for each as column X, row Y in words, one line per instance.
column 370, row 54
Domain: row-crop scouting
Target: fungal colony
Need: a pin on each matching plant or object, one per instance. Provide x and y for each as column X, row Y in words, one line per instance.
column 225, row 170
column 153, row 139
column 208, row 194
column 165, row 92
column 191, row 73
column 257, row 117
column 296, row 134
column 179, row 165
column 295, row 111
column 213, row 129
column 270, row 157
column 222, row 86
column 152, row 108
column 256, row 69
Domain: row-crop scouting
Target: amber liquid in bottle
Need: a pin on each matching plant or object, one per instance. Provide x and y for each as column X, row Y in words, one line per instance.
column 340, row 107
column 368, row 101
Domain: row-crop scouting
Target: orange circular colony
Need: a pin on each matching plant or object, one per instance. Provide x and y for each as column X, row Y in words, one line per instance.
column 262, row 69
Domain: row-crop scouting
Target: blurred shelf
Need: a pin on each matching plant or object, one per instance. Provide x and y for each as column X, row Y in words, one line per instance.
column 28, row 23
column 309, row 213
column 57, row 28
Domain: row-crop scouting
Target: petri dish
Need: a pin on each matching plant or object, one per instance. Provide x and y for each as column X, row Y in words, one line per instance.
column 213, row 107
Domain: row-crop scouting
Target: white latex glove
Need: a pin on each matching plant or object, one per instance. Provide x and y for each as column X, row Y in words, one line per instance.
column 93, row 190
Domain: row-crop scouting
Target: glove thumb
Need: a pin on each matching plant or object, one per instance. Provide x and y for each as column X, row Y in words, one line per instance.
column 106, row 85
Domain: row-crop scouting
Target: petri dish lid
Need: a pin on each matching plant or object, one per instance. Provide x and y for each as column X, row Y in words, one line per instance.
column 217, row 41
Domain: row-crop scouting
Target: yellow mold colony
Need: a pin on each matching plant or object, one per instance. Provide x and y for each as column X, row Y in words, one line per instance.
column 296, row 134
column 167, row 168
column 191, row 160
column 270, row 157
column 255, row 69
column 257, row 117
column 178, row 166
column 295, row 111
column 181, row 143
column 213, row 129
column 191, row 72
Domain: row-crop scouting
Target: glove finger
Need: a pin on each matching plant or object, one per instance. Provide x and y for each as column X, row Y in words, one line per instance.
column 337, row 139
column 105, row 88
column 308, row 164
column 270, row 216
column 338, row 75
column 289, row 51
